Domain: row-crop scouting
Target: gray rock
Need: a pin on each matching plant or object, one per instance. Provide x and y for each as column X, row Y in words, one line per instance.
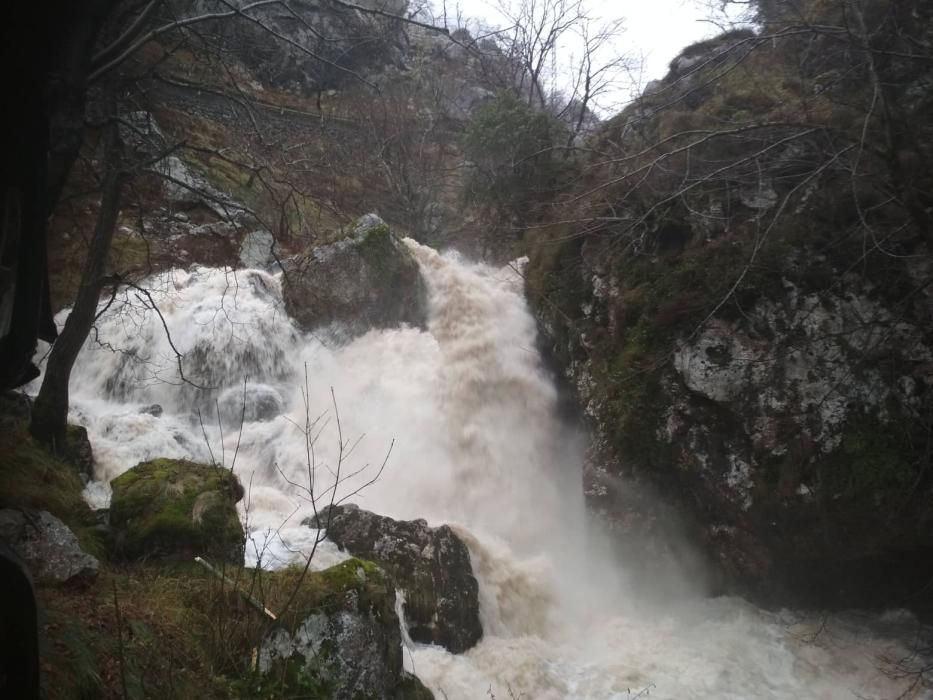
column 367, row 280
column 258, row 402
column 78, row 451
column 256, row 249
column 432, row 565
column 140, row 132
column 48, row 547
column 154, row 410
column 184, row 188
column 313, row 29
column 343, row 640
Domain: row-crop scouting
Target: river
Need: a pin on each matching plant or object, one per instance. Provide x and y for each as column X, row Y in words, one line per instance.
column 463, row 416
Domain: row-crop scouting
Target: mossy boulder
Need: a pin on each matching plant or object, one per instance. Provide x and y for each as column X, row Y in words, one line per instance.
column 368, row 280
column 431, row 564
column 338, row 639
column 176, row 509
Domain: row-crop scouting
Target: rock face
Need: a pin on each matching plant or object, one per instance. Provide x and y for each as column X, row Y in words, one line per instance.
column 343, row 640
column 349, row 41
column 256, row 249
column 47, row 545
column 175, row 509
column 773, row 387
column 367, row 280
column 254, row 402
column 432, row 566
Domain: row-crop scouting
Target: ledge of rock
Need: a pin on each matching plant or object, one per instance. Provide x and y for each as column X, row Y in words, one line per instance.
column 367, row 280
column 47, row 546
column 176, row 509
column 432, row 566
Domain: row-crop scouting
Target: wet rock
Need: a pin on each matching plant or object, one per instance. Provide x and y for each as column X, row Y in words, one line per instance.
column 154, row 410
column 175, row 509
column 185, row 189
column 432, row 566
column 367, row 280
column 258, row 402
column 48, row 547
column 78, row 451
column 256, row 249
column 140, row 132
column 343, row 638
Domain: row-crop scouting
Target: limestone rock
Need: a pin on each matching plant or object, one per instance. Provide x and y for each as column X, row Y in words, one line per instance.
column 176, row 509
column 256, row 249
column 367, row 280
column 342, row 640
column 432, row 565
column 48, row 547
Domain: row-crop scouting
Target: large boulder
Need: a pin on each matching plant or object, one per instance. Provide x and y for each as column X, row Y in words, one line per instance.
column 47, row 546
column 176, row 509
column 431, row 565
column 339, row 638
column 368, row 280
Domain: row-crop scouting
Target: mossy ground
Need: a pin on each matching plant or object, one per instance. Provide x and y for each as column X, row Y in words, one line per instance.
column 159, row 629
column 30, row 477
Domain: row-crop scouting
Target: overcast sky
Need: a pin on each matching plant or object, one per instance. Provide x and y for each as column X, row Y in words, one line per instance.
column 655, row 30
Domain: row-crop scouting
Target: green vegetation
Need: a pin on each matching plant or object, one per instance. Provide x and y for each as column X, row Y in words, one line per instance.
column 514, row 150
column 164, row 629
column 31, row 477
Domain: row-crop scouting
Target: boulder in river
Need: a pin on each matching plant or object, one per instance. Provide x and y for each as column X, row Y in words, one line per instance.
column 432, row 566
column 176, row 509
column 367, row 280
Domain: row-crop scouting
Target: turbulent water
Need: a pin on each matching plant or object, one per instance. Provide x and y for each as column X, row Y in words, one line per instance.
column 463, row 416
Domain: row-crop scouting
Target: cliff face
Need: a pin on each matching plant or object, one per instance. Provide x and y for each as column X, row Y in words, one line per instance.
column 743, row 300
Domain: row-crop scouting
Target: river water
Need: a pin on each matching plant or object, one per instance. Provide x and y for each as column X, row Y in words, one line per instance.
column 463, row 417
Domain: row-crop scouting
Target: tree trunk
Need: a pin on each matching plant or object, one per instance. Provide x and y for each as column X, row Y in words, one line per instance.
column 50, row 410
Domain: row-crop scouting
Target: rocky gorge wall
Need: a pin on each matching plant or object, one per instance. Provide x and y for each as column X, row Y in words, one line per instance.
column 750, row 333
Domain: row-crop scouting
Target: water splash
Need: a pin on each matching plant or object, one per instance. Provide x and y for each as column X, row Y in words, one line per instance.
column 478, row 444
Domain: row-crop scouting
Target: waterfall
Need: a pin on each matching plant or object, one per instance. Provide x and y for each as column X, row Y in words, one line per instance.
column 463, row 417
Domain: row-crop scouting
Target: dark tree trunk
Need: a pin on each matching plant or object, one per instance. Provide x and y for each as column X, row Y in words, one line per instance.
column 50, row 410
column 46, row 54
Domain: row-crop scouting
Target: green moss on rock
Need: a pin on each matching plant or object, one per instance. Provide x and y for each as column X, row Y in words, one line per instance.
column 337, row 638
column 176, row 509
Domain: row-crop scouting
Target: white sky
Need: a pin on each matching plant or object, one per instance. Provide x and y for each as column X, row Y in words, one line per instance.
column 655, row 30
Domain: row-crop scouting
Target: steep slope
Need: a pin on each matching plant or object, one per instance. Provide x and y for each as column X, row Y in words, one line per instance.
column 739, row 289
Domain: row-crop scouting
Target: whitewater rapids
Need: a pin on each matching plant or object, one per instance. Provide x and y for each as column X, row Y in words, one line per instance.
column 463, row 415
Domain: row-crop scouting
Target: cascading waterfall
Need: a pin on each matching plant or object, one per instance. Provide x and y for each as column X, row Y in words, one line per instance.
column 478, row 444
